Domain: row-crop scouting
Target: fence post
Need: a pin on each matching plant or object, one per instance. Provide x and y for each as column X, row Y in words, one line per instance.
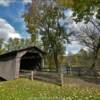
column 62, row 75
column 62, row 79
column 32, row 75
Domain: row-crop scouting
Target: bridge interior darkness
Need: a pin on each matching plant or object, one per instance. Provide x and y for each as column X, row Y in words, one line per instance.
column 30, row 61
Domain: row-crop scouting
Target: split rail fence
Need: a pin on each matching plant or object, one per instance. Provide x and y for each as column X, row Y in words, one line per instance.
column 53, row 77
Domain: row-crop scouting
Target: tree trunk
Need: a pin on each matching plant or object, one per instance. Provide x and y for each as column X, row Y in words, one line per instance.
column 56, row 61
column 94, row 62
column 94, row 59
column 92, row 71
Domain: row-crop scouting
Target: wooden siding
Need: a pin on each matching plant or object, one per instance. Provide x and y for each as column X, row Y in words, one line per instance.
column 8, row 69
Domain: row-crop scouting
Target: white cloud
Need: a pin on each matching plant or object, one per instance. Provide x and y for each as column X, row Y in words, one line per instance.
column 6, row 2
column 74, row 47
column 27, row 1
column 7, row 31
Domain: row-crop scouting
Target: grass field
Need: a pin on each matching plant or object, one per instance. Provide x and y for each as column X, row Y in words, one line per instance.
column 24, row 89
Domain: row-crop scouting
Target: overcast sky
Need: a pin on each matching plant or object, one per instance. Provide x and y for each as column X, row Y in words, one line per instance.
column 12, row 24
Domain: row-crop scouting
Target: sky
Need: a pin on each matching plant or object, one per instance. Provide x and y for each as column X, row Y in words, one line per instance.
column 12, row 24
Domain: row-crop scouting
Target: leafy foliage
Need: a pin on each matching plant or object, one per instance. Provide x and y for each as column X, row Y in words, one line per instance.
column 16, row 44
column 52, row 34
column 2, row 49
column 83, row 9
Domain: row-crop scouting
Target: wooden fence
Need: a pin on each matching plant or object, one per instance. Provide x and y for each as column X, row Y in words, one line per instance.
column 53, row 77
column 82, row 71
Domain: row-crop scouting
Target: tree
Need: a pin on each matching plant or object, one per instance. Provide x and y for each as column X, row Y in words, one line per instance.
column 90, row 37
column 32, row 18
column 16, row 44
column 1, row 43
column 82, row 9
column 52, row 34
column 11, row 44
column 2, row 50
column 84, row 59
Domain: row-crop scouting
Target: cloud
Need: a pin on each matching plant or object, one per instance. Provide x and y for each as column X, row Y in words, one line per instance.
column 6, row 2
column 27, row 1
column 74, row 47
column 7, row 31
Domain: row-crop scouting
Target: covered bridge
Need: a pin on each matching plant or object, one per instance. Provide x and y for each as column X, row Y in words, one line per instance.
column 12, row 63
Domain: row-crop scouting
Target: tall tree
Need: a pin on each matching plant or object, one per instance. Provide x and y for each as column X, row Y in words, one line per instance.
column 52, row 34
column 33, row 18
column 90, row 37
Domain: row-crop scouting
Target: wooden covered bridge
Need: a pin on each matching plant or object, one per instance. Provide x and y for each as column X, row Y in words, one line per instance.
column 12, row 63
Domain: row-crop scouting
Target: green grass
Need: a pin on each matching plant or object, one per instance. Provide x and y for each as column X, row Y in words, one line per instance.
column 24, row 89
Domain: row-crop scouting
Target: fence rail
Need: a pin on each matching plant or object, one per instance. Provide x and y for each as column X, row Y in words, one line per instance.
column 53, row 77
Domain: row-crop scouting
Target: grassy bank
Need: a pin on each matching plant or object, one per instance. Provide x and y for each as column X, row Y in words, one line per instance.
column 24, row 89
